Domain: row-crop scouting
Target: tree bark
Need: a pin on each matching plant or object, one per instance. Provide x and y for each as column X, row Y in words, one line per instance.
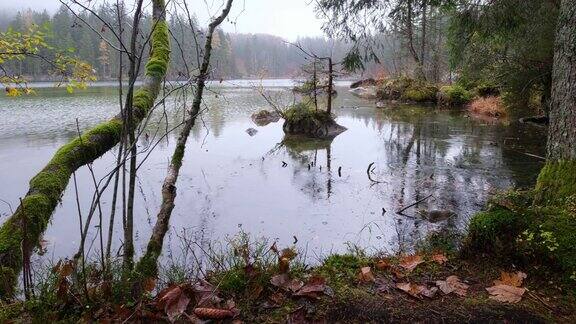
column 557, row 180
column 148, row 264
column 49, row 184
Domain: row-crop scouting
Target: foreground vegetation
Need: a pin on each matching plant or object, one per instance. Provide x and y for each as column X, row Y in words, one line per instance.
column 254, row 281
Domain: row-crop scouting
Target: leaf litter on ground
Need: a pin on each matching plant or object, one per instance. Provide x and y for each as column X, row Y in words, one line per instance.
column 508, row 288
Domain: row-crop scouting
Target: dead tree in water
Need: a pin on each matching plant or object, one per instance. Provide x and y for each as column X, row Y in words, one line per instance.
column 49, row 184
column 148, row 264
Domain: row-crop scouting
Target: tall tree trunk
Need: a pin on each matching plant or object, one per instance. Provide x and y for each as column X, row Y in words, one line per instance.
column 128, row 259
column 330, row 85
column 419, row 71
column 49, row 184
column 424, row 25
column 148, row 264
column 557, row 180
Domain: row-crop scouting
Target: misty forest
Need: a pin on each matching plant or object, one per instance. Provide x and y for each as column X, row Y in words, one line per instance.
column 391, row 161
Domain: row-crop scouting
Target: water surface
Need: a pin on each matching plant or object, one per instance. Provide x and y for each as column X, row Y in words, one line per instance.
column 316, row 191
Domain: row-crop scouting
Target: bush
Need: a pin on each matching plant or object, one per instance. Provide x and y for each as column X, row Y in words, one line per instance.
column 488, row 106
column 454, row 95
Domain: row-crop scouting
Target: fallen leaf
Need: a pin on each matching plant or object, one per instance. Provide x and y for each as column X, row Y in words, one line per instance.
column 205, row 294
column 439, row 258
column 429, row 292
column 64, row 268
column 315, row 286
column 297, row 317
column 383, row 264
column 174, row 302
column 398, row 273
column 149, row 284
column 411, row 288
column 384, row 285
column 366, row 275
column 452, row 284
column 279, row 280
column 284, row 281
column 410, row 262
column 513, row 279
column 506, row 293
column 288, row 253
column 277, row 299
column 212, row 313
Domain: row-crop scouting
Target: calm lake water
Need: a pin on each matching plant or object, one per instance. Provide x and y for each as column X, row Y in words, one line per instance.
column 231, row 181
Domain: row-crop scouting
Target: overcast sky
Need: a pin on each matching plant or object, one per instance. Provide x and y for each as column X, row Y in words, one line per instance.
column 286, row 18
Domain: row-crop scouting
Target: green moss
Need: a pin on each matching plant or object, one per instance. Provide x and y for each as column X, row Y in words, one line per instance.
column 516, row 229
column 556, row 237
column 143, row 99
column 178, row 155
column 454, row 95
column 342, row 269
column 556, row 182
column 8, row 280
column 493, row 230
column 393, row 89
column 420, row 92
column 160, row 54
column 447, row 240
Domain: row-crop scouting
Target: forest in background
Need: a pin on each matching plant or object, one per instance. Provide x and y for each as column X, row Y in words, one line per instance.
column 235, row 55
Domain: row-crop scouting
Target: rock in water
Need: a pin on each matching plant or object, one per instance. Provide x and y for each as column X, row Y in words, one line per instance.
column 365, row 92
column 363, row 83
column 313, row 127
column 265, row 117
column 251, row 131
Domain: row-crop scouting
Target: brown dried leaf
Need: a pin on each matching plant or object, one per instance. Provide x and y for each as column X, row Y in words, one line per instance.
column 64, row 268
column 513, row 279
column 283, row 281
column 429, row 292
column 212, row 313
column 366, row 275
column 383, row 264
column 149, row 284
column 174, row 302
column 439, row 258
column 279, row 280
column 453, row 284
column 410, row 262
column 315, row 286
column 283, row 265
column 506, row 293
column 411, row 288
column 398, row 273
column 384, row 285
column 205, row 293
column 288, row 253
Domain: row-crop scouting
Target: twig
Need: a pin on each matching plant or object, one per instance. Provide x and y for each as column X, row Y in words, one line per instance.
column 399, row 212
column 368, row 173
column 533, row 295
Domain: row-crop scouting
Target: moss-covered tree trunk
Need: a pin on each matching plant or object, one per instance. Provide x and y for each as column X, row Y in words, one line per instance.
column 148, row 264
column 557, row 180
column 49, row 184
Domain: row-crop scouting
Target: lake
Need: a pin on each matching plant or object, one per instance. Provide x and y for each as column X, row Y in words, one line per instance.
column 315, row 192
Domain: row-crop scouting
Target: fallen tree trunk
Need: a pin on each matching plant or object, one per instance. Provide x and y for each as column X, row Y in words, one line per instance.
column 48, row 185
column 148, row 265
